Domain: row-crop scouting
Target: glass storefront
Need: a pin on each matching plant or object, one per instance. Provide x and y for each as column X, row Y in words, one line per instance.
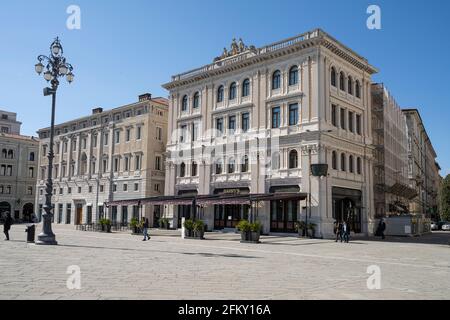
column 229, row 215
column 283, row 215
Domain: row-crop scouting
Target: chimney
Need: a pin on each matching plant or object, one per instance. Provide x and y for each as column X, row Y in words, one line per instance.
column 145, row 97
column 97, row 110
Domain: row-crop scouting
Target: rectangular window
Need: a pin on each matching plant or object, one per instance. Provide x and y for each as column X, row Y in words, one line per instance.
column 350, row 121
column 138, row 163
column 90, row 189
column 94, row 141
column 158, row 133
column 342, row 118
column 106, row 137
column 156, row 187
column 136, row 187
column 117, row 136
column 293, row 114
column 245, row 121
column 183, row 133
column 83, row 143
column 125, row 187
column 158, row 163
column 69, row 190
column 114, row 187
column 138, row 133
column 68, row 212
column 127, row 164
column 194, row 132
column 232, row 123
column 116, row 164
column 105, row 165
column 127, row 134
column 60, row 190
column 31, row 172
column 358, row 124
column 276, row 117
column 102, row 188
column 219, row 126
column 334, row 115
column 79, row 189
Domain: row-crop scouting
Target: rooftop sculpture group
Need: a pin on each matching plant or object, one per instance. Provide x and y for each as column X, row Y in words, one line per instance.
column 236, row 48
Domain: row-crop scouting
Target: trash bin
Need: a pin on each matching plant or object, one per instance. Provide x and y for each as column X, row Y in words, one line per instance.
column 30, row 230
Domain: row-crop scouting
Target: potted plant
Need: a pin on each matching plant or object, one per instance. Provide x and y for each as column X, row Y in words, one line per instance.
column 188, row 228
column 245, row 228
column 300, row 227
column 312, row 227
column 135, row 226
column 164, row 223
column 199, row 229
column 255, row 231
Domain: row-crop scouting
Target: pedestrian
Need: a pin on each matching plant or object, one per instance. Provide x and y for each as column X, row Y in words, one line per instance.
column 381, row 228
column 336, row 230
column 346, row 231
column 145, row 226
column 7, row 225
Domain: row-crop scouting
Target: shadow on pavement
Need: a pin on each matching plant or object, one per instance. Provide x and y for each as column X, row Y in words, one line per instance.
column 441, row 238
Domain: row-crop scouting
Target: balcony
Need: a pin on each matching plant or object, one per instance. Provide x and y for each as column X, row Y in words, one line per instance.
column 231, row 177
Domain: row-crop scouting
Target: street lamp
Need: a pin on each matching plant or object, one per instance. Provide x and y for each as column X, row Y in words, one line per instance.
column 56, row 66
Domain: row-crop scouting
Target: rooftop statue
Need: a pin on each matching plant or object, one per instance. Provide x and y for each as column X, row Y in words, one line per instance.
column 235, row 48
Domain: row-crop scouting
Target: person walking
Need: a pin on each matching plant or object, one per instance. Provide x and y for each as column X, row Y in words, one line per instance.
column 346, row 231
column 7, row 225
column 381, row 228
column 336, row 229
column 145, row 226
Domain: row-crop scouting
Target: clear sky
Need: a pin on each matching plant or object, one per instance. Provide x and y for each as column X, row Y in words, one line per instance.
column 125, row 48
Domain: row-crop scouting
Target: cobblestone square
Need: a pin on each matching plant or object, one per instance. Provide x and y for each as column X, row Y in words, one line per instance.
column 122, row 266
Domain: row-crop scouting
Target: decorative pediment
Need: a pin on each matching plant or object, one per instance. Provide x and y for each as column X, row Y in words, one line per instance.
column 235, row 49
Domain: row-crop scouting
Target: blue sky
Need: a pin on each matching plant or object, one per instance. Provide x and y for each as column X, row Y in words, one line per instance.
column 126, row 48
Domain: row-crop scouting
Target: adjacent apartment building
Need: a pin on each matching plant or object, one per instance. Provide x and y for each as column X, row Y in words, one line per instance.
column 392, row 193
column 18, row 169
column 110, row 155
column 423, row 169
column 253, row 121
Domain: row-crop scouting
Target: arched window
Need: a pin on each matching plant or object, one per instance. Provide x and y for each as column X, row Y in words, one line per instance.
column 4, row 153
column 220, row 94
column 358, row 165
column 231, row 166
column 334, row 160
column 350, row 164
column 343, row 164
column 196, row 100
column 357, row 89
column 232, row 93
column 293, row 159
column 244, row 165
column 275, row 161
column 293, row 75
column 350, row 85
column 194, row 169
column 333, row 77
column 10, row 154
column 184, row 103
column 219, row 166
column 341, row 81
column 276, row 80
column 182, row 169
column 246, row 88
column 31, row 156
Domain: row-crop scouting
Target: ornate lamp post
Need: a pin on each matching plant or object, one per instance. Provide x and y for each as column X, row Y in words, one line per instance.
column 56, row 67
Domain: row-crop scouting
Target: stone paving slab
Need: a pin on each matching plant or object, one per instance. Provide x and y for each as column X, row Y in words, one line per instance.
column 121, row 266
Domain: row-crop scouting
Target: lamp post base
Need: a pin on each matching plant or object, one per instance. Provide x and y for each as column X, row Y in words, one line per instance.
column 46, row 239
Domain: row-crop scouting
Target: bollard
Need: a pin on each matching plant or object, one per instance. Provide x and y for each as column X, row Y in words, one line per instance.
column 30, row 230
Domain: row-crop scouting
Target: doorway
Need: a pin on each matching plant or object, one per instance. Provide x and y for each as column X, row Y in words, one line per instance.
column 79, row 214
column 283, row 215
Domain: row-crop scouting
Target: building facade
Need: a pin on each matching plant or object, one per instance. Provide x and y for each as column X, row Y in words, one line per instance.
column 253, row 122
column 18, row 169
column 107, row 156
column 392, row 193
column 423, row 169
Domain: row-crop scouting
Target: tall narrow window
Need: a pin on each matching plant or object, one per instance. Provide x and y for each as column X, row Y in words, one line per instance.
column 334, row 115
column 342, row 81
column 231, row 165
column 219, row 126
column 293, row 76
column 350, row 164
column 246, row 88
column 333, row 77
column 244, row 164
column 220, row 94
column 358, row 165
column 343, row 164
column 358, row 124
column 334, row 160
column 194, row 169
column 342, row 118
column 196, row 100
column 350, row 85
column 293, row 159
column 116, row 164
column 350, row 121
column 276, row 80
column 182, row 170
column 357, row 89
column 232, row 123
column 127, row 134
column 117, row 136
column 219, row 167
column 232, row 93
column 293, row 114
column 276, row 117
column 31, row 156
column 245, row 121
column 184, row 103
column 138, row 162
column 157, row 163
column 138, row 133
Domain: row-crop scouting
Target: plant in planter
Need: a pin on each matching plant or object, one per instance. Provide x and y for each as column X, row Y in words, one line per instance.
column 188, row 228
column 300, row 227
column 164, row 223
column 245, row 228
column 199, row 229
column 135, row 226
column 255, row 231
column 312, row 227
column 106, row 225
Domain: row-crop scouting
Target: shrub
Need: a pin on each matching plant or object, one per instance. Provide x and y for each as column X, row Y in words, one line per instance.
column 312, row 226
column 244, row 226
column 255, row 226
column 199, row 225
column 300, row 225
column 189, row 224
column 134, row 222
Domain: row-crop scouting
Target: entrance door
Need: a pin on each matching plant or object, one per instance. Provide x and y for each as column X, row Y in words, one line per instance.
column 229, row 215
column 79, row 214
column 345, row 210
column 283, row 215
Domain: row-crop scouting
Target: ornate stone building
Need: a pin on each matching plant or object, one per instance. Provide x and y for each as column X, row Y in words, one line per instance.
column 105, row 157
column 253, row 121
column 18, row 169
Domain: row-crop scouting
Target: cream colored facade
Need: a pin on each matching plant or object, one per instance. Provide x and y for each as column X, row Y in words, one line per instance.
column 18, row 169
column 107, row 156
column 331, row 91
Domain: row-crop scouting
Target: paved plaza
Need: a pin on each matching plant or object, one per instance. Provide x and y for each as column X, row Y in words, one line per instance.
column 121, row 266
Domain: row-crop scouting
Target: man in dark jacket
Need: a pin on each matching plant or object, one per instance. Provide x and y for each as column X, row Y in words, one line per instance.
column 146, row 226
column 381, row 228
column 7, row 225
